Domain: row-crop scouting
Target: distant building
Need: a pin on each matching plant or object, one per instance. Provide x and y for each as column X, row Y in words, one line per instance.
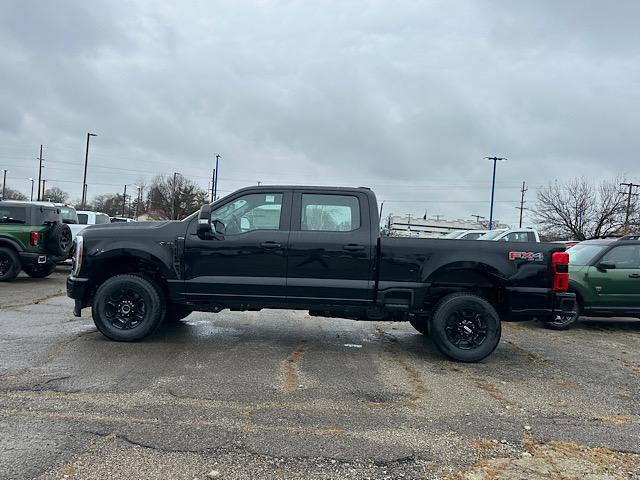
column 416, row 226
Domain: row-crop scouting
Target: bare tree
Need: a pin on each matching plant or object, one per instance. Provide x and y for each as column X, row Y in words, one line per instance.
column 579, row 209
column 163, row 199
column 11, row 194
column 55, row 194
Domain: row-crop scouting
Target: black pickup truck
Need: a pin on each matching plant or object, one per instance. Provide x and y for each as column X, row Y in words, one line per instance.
column 317, row 249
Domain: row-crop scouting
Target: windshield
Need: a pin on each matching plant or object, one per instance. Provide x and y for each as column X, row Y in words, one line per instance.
column 69, row 215
column 454, row 234
column 492, row 235
column 584, row 254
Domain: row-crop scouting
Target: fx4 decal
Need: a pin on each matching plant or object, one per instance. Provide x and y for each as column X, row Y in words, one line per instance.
column 528, row 256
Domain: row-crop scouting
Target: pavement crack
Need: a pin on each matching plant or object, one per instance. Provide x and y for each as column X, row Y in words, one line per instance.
column 35, row 301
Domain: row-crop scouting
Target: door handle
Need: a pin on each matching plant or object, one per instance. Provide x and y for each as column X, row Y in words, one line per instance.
column 634, row 275
column 270, row 244
column 353, row 247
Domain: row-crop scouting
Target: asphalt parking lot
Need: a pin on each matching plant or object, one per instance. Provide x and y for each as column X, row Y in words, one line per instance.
column 278, row 394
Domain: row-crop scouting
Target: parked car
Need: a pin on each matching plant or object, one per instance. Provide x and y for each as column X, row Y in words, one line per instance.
column 512, row 235
column 318, row 249
column 465, row 234
column 605, row 276
column 68, row 214
column 33, row 238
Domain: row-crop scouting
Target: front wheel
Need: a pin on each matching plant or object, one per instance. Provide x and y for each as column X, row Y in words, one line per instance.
column 465, row 327
column 128, row 308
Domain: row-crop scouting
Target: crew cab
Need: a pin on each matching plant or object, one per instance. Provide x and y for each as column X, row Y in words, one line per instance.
column 317, row 249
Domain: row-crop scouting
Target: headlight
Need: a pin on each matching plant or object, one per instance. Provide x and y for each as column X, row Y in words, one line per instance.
column 78, row 250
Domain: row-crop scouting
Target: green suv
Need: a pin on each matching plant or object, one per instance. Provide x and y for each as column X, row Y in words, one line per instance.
column 605, row 276
column 33, row 238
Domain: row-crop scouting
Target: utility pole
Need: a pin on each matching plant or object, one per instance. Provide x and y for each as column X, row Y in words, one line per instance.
column 124, row 199
column 86, row 161
column 32, row 180
column 522, row 192
column 43, row 189
column 40, row 195
column 215, row 180
column 493, row 187
column 629, row 194
column 139, row 200
column 4, row 181
column 173, row 197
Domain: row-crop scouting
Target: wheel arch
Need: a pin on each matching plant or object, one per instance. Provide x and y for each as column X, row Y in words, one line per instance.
column 8, row 242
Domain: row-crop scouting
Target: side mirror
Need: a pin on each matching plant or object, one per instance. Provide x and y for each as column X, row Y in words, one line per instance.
column 204, row 222
column 604, row 266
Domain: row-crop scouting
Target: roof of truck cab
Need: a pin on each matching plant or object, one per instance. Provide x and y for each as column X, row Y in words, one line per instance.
column 303, row 187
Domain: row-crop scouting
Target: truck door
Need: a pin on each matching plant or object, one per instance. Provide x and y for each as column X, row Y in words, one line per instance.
column 618, row 287
column 247, row 261
column 330, row 248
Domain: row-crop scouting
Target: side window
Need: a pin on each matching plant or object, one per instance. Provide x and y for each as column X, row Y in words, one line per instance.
column 516, row 237
column 623, row 256
column 12, row 215
column 532, row 236
column 330, row 213
column 101, row 218
column 256, row 211
column 82, row 218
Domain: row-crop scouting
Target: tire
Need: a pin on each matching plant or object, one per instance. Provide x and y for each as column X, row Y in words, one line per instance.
column 420, row 323
column 40, row 272
column 562, row 322
column 177, row 312
column 9, row 264
column 127, row 308
column 465, row 327
column 59, row 240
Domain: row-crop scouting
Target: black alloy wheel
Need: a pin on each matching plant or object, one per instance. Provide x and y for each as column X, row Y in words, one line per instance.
column 465, row 327
column 128, row 307
column 125, row 308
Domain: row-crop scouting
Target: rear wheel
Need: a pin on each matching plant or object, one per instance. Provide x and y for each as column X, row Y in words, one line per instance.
column 562, row 321
column 40, row 272
column 9, row 264
column 465, row 327
column 128, row 308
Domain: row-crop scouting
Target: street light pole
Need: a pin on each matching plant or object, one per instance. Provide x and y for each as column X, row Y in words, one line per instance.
column 493, row 187
column 4, row 181
column 124, row 199
column 40, row 175
column 173, row 197
column 215, row 182
column 86, row 161
column 31, row 179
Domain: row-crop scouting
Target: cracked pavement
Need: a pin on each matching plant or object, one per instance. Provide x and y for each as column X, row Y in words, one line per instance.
column 279, row 394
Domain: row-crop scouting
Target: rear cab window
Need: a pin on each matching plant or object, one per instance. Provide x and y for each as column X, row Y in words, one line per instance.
column 83, row 218
column 330, row 213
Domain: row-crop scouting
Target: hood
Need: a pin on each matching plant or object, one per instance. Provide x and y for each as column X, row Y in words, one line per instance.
column 135, row 229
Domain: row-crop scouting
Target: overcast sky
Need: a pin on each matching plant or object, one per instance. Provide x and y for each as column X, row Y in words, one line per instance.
column 405, row 97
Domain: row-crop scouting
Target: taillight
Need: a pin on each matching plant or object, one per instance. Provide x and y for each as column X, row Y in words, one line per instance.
column 560, row 266
column 33, row 239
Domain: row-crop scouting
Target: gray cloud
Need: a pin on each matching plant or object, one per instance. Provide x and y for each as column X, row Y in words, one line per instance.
column 407, row 98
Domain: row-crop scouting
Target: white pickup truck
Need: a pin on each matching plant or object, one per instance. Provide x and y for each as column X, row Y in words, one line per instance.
column 86, row 218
